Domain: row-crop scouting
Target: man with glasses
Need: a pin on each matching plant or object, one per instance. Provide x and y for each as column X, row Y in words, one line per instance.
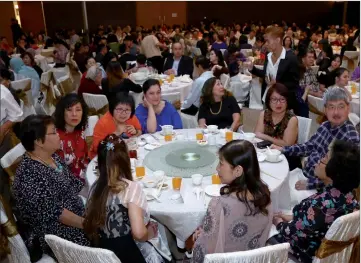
column 337, row 126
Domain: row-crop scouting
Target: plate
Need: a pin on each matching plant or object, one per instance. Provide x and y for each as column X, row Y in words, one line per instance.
column 206, row 131
column 213, row 190
column 355, row 96
column 152, row 146
column 261, row 157
column 280, row 159
column 148, row 193
column 162, row 133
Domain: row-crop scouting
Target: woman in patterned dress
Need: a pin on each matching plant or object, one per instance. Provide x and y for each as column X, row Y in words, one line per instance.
column 117, row 215
column 277, row 124
column 307, row 226
column 240, row 219
column 71, row 118
column 45, row 190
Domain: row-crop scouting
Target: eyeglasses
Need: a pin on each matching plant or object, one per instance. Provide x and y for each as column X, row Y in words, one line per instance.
column 275, row 101
column 338, row 107
column 119, row 110
column 53, row 133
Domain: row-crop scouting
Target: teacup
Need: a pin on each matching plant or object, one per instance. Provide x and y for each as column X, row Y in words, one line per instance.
column 212, row 128
column 180, row 137
column 197, row 179
column 272, row 155
column 159, row 174
column 249, row 136
column 167, row 129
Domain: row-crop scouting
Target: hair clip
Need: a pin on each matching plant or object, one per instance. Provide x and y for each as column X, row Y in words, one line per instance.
column 110, row 146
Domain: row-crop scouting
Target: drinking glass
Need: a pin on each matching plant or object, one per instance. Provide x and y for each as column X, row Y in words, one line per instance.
column 177, row 182
column 229, row 136
column 139, row 168
column 216, row 179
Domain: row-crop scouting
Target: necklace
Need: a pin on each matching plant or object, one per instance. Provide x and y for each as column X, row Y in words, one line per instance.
column 220, row 108
column 59, row 167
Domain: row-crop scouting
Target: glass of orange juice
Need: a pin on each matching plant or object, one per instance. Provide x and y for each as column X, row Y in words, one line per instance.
column 216, row 179
column 168, row 137
column 199, row 136
column 139, row 169
column 171, row 77
column 177, row 182
column 353, row 88
column 160, row 82
column 229, row 136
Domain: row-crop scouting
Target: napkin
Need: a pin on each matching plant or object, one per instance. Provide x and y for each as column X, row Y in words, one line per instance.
column 185, row 79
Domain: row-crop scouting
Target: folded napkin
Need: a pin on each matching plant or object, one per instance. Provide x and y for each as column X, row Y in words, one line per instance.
column 185, row 79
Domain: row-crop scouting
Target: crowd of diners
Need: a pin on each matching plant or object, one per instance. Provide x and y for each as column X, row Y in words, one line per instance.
column 44, row 193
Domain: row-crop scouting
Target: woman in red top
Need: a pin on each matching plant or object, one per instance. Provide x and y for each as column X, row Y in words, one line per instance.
column 71, row 118
column 92, row 82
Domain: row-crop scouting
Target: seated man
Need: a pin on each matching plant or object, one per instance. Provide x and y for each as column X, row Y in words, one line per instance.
column 191, row 104
column 178, row 64
column 124, row 51
column 337, row 108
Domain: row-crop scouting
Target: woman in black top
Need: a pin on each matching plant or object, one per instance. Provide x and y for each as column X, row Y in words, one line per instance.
column 218, row 107
column 115, row 81
column 325, row 77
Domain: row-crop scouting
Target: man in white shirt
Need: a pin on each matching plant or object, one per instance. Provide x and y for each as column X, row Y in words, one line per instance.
column 252, row 38
column 191, row 105
column 150, row 48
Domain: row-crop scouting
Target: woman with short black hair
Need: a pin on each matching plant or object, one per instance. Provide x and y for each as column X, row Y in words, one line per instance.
column 45, row 190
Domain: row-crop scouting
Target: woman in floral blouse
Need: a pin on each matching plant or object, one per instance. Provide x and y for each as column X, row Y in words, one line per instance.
column 311, row 219
column 71, row 118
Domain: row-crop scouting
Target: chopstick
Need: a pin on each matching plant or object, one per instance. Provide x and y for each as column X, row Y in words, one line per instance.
column 269, row 175
column 161, row 185
column 154, row 137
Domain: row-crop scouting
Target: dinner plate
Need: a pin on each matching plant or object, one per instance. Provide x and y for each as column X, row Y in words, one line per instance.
column 280, row 159
column 151, row 146
column 213, row 190
column 261, row 157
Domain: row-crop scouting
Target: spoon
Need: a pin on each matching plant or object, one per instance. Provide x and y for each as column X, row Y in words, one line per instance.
column 269, row 150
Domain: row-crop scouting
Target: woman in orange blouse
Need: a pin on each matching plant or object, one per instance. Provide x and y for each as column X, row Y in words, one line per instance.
column 71, row 118
column 120, row 119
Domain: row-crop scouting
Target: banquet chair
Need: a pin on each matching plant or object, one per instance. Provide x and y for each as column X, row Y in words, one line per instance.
column 354, row 118
column 269, row 254
column 92, row 121
column 297, row 196
column 18, row 251
column 225, row 79
column 247, row 52
column 11, row 160
column 172, row 98
column 344, row 229
column 223, row 50
column 25, row 85
column 304, row 127
column 189, row 121
column 96, row 102
column 42, row 62
column 69, row 252
column 350, row 60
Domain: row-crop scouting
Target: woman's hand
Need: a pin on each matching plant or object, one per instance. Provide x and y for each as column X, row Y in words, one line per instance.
column 261, row 136
column 273, row 146
column 216, row 67
column 152, row 228
column 146, row 103
column 196, row 234
column 276, row 220
column 131, row 130
column 121, row 128
column 285, row 218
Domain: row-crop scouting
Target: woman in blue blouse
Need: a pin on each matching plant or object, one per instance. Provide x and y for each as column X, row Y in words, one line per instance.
column 311, row 219
column 154, row 111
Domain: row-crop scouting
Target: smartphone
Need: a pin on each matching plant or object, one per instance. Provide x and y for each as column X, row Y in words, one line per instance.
column 263, row 144
column 124, row 136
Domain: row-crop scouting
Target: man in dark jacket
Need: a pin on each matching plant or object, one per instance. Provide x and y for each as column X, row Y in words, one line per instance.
column 178, row 64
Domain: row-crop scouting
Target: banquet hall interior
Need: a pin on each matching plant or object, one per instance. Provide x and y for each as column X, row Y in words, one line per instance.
column 179, row 131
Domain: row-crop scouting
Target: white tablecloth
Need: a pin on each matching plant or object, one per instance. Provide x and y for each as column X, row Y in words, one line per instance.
column 182, row 88
column 318, row 103
column 183, row 219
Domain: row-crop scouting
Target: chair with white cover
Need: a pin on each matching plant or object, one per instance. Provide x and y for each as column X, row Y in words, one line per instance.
column 68, row 252
column 350, row 60
column 276, row 253
column 24, row 84
column 344, row 229
column 9, row 160
column 304, row 127
column 189, row 121
column 92, row 121
column 225, row 80
column 171, row 97
column 95, row 101
column 18, row 251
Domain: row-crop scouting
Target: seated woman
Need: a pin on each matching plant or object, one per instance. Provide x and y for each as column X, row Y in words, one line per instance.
column 116, row 82
column 341, row 78
column 71, row 119
column 29, row 61
column 117, row 207
column 22, row 71
column 325, row 57
column 287, row 43
column 325, row 78
column 44, row 189
column 89, row 62
column 60, row 53
column 92, row 82
column 155, row 112
column 305, row 229
column 277, row 124
column 219, row 67
column 218, row 107
column 120, row 119
column 240, row 219
column 220, row 42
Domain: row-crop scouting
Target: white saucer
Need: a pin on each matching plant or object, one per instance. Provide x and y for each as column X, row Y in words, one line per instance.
column 152, row 146
column 355, row 96
column 280, row 159
column 162, row 133
column 206, row 131
column 261, row 157
column 213, row 190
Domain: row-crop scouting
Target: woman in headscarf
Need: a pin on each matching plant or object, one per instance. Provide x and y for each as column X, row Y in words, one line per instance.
column 22, row 71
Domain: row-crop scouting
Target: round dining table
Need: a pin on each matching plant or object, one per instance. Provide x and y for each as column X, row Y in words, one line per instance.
column 183, row 215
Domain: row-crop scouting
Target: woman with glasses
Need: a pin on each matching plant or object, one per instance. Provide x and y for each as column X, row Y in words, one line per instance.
column 46, row 192
column 120, row 119
column 277, row 124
